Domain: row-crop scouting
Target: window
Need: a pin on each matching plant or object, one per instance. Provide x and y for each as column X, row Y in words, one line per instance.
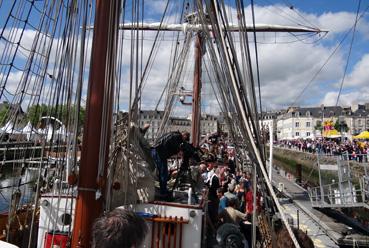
column 359, row 122
column 307, row 134
column 297, row 124
column 307, row 113
column 297, row 134
column 308, row 124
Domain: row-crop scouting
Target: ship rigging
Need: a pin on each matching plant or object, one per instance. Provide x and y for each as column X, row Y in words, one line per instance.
column 88, row 178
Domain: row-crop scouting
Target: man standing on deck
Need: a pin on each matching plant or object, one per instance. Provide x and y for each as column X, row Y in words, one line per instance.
column 165, row 147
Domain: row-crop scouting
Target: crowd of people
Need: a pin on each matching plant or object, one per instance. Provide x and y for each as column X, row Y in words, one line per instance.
column 348, row 150
column 230, row 195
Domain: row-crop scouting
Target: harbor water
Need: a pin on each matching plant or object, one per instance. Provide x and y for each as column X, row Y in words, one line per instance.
column 10, row 181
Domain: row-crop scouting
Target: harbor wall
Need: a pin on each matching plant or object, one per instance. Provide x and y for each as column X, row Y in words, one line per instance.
column 288, row 159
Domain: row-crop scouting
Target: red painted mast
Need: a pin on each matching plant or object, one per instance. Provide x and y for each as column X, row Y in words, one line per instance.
column 196, row 98
column 88, row 208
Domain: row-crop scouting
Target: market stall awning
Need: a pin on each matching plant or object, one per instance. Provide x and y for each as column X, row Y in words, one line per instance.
column 362, row 135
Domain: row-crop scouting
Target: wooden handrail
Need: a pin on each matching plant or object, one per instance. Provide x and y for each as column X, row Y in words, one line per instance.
column 167, row 220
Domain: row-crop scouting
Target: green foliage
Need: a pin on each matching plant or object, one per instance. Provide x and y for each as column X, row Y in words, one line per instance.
column 35, row 112
column 4, row 114
column 343, row 126
column 318, row 126
column 61, row 112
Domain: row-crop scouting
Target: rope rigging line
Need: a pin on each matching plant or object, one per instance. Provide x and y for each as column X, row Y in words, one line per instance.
column 291, row 7
column 36, row 84
column 338, row 46
column 150, row 60
column 349, row 54
column 287, row 16
column 242, row 109
column 236, row 73
column 258, row 116
column 174, row 78
column 253, row 103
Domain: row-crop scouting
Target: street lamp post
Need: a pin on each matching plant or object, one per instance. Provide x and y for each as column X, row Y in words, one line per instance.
column 322, row 108
column 341, row 121
column 320, row 176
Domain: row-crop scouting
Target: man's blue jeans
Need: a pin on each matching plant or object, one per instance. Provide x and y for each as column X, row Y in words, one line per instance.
column 162, row 167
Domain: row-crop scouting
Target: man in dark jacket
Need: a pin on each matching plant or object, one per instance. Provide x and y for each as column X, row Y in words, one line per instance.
column 165, row 147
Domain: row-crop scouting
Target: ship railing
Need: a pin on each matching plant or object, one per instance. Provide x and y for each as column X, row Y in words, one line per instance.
column 356, row 157
column 167, row 231
column 343, row 194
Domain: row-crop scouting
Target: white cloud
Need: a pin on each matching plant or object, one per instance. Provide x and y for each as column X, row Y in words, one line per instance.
column 340, row 22
column 346, row 99
column 359, row 77
column 285, row 68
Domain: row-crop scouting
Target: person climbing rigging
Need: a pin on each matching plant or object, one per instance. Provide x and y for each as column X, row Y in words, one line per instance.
column 165, row 147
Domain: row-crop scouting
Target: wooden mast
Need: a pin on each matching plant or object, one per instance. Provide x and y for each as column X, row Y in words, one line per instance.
column 88, row 208
column 196, row 97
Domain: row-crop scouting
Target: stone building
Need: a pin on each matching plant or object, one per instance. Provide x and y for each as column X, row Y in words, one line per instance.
column 153, row 118
column 208, row 123
column 299, row 122
column 360, row 118
column 179, row 124
column 269, row 119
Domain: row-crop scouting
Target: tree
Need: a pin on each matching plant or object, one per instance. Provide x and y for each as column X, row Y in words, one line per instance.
column 341, row 126
column 35, row 112
column 66, row 113
column 4, row 112
column 318, row 126
column 61, row 112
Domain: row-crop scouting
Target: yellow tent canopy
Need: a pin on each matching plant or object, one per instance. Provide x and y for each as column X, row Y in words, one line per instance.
column 362, row 135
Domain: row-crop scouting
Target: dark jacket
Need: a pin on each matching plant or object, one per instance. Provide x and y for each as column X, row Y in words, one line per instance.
column 168, row 145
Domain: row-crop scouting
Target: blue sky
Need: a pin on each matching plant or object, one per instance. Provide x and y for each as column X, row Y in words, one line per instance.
column 287, row 65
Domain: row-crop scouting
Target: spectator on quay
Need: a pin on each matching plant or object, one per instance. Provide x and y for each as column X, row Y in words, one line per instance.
column 119, row 228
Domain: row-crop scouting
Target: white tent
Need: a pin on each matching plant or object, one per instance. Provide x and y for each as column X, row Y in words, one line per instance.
column 8, row 128
column 49, row 132
column 46, row 132
column 28, row 130
column 62, row 130
column 62, row 133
